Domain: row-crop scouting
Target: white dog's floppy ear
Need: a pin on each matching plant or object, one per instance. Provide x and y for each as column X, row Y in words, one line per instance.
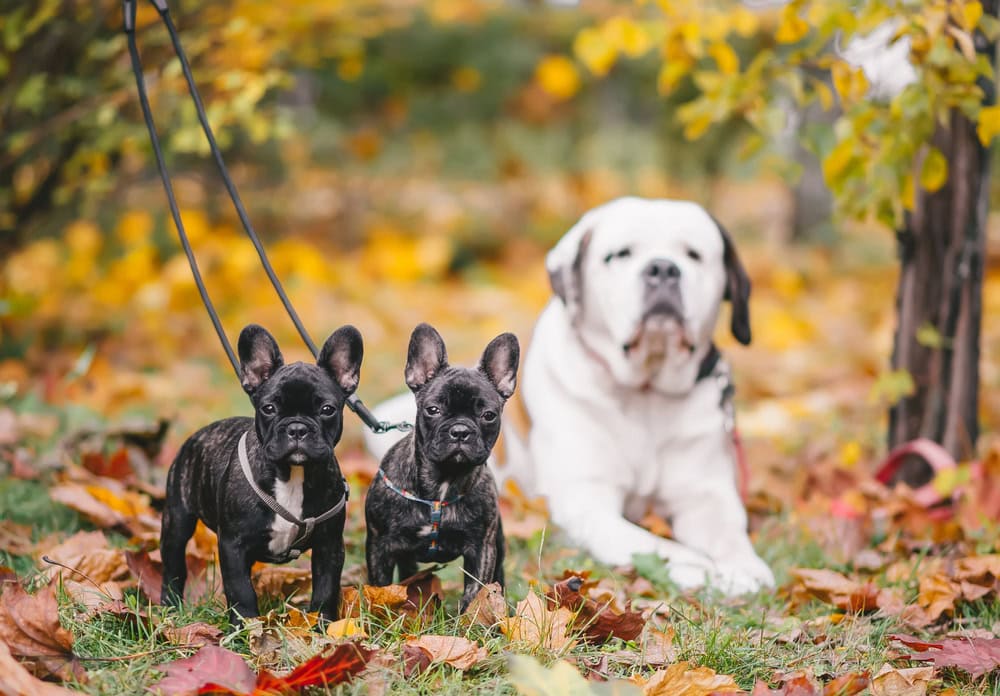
column 499, row 363
column 565, row 261
column 425, row 358
column 259, row 357
column 341, row 357
column 737, row 288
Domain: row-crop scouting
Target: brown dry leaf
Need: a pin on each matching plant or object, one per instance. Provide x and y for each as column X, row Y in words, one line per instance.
column 833, row 588
column 796, row 684
column 148, row 570
column 980, row 570
column 416, row 660
column 681, row 679
column 89, row 554
column 658, row 646
column 977, row 656
column 938, row 595
column 460, row 653
column 75, row 496
column 901, row 682
column 847, row 684
column 29, row 625
column 488, row 607
column 597, row 621
column 385, row 601
column 15, row 680
column 533, row 622
column 194, row 634
column 15, row 538
column 92, row 597
column 424, row 595
column 285, row 582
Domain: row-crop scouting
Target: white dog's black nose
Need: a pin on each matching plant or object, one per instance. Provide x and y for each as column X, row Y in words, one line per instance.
column 459, row 432
column 297, row 431
column 660, row 271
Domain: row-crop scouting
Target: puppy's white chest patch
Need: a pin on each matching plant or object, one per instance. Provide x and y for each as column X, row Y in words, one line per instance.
column 289, row 496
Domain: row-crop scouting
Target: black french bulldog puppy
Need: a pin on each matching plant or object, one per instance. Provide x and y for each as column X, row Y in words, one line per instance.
column 434, row 498
column 225, row 473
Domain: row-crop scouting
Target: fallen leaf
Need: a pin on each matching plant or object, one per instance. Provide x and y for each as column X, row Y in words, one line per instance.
column 681, row 679
column 15, row 538
column 210, row 665
column 847, row 684
column 90, row 556
column 487, row 608
column 194, row 634
column 115, row 465
column 345, row 628
column 416, row 660
column 890, row 681
column 284, row 582
column 77, row 497
column 335, row 667
column 424, row 595
column 148, row 570
column 460, row 653
column 937, row 595
column 383, row 601
column 531, row 678
column 29, row 625
column 533, row 622
column 833, row 588
column 93, row 598
column 596, row 621
column 977, row 656
column 15, row 680
column 658, row 646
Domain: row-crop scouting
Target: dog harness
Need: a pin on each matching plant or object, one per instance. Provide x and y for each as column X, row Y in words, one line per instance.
column 305, row 526
column 436, row 506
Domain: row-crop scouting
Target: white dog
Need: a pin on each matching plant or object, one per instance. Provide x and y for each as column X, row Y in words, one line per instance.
column 628, row 397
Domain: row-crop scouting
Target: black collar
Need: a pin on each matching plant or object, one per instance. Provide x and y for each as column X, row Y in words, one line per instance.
column 708, row 363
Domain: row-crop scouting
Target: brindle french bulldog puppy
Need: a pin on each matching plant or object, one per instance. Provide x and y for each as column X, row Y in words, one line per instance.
column 434, row 498
column 286, row 450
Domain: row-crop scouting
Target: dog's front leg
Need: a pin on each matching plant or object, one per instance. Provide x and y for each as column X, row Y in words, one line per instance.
column 240, row 595
column 327, row 568
column 379, row 558
column 480, row 561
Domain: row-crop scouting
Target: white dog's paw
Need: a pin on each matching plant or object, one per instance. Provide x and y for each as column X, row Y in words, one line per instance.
column 745, row 576
column 691, row 575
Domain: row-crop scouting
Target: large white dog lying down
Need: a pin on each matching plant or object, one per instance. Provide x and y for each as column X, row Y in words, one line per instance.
column 627, row 395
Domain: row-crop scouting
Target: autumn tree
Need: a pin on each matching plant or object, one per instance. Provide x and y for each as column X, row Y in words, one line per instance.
column 915, row 158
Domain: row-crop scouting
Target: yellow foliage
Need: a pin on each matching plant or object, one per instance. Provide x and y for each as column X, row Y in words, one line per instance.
column 557, row 75
column 792, row 28
column 989, row 124
column 725, row 57
column 466, row 79
column 350, row 68
column 934, row 170
column 134, row 227
column 593, row 49
column 850, row 82
column 627, row 36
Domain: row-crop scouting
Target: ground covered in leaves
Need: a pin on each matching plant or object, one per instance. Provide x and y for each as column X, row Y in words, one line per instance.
column 877, row 591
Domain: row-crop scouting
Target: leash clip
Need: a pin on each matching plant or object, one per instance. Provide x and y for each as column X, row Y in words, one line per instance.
column 385, row 426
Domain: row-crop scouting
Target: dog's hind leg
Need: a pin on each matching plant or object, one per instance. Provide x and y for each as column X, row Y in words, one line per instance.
column 501, row 546
column 178, row 526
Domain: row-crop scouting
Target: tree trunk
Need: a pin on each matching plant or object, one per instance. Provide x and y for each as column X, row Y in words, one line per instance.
column 941, row 249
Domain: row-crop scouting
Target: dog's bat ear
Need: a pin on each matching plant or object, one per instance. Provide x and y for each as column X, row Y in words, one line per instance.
column 737, row 288
column 341, row 357
column 565, row 262
column 259, row 357
column 425, row 358
column 499, row 363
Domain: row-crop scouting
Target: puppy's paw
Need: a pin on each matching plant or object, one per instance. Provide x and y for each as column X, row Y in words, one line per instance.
column 745, row 576
column 691, row 574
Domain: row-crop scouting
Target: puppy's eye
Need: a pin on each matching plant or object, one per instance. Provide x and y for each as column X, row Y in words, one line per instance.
column 623, row 253
column 432, row 410
column 693, row 255
column 327, row 410
column 489, row 416
column 268, row 409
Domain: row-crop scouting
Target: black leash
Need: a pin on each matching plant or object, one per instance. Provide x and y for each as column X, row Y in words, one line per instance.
column 129, row 9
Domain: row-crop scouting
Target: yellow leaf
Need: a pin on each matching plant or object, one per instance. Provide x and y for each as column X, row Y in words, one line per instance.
column 850, row 453
column 838, row 160
column 681, row 679
column 825, row 95
column 629, row 38
column 466, row 79
column 933, row 171
column 725, row 57
column 135, row 226
column 670, row 74
column 346, row 628
column 595, row 51
column 558, row 76
column 744, row 21
column 850, row 82
column 970, row 14
column 697, row 126
column 909, row 192
column 989, row 124
column 792, row 28
column 349, row 69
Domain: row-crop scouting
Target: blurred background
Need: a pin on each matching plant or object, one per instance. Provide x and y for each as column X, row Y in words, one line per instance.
column 404, row 161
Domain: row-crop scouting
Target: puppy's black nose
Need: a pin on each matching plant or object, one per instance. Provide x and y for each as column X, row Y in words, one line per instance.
column 297, row 431
column 659, row 271
column 460, row 432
